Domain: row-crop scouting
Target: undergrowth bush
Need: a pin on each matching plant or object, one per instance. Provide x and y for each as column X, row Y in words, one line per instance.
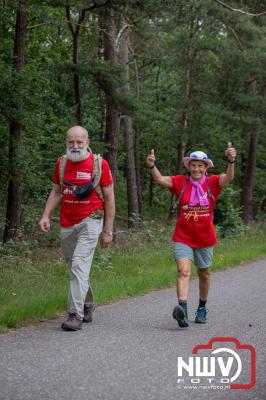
column 227, row 216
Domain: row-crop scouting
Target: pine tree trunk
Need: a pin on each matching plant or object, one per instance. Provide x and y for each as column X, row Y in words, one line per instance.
column 250, row 162
column 151, row 186
column 182, row 137
column 112, row 117
column 14, row 199
column 76, row 82
column 139, row 175
column 132, row 192
column 74, row 29
column 249, row 178
column 102, row 96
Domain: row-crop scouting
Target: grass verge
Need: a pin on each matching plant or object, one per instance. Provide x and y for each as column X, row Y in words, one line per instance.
column 31, row 290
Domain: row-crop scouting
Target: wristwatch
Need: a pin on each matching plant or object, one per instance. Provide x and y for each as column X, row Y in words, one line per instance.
column 109, row 233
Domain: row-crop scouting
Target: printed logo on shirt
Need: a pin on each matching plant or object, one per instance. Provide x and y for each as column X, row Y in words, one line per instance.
column 67, row 191
column 83, row 175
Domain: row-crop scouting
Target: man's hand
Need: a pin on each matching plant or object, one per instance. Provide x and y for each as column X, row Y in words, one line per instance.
column 230, row 152
column 52, row 202
column 151, row 159
column 44, row 224
column 106, row 239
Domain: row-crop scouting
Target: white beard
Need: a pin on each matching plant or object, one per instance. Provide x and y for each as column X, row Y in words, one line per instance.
column 77, row 155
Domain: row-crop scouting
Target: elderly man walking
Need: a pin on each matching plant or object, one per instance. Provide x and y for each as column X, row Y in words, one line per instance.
column 87, row 210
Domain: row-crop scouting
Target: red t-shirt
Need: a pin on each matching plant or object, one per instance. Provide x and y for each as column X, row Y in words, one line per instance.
column 74, row 210
column 194, row 226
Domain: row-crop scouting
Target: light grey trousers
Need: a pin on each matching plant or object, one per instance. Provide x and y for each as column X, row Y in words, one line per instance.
column 78, row 245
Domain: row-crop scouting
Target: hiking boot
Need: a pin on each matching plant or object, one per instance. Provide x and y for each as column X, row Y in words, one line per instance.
column 180, row 316
column 88, row 310
column 72, row 323
column 201, row 315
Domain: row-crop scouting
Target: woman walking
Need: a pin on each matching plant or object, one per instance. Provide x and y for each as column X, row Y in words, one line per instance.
column 194, row 236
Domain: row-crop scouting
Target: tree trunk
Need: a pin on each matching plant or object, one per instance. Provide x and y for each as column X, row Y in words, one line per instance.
column 139, row 175
column 151, row 183
column 112, row 121
column 151, row 186
column 249, row 178
column 74, row 29
column 182, row 136
column 102, row 95
column 14, row 198
column 76, row 81
column 132, row 192
column 250, row 163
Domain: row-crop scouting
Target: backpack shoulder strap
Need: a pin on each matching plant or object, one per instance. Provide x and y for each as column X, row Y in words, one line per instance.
column 97, row 168
column 97, row 171
column 209, row 193
column 62, row 167
column 185, row 182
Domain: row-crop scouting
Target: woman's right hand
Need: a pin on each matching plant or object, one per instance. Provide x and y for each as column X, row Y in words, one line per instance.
column 151, row 159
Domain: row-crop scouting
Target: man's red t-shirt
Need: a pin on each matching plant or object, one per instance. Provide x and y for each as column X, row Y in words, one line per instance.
column 194, row 226
column 74, row 210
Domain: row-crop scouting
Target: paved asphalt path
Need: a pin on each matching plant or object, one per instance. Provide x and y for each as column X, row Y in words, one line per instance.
column 130, row 350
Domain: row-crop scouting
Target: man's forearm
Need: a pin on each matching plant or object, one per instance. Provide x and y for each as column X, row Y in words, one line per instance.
column 109, row 213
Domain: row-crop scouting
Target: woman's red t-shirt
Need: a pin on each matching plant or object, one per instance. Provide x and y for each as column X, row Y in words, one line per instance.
column 74, row 210
column 194, row 225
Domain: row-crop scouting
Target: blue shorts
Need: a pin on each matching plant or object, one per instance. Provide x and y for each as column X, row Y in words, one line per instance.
column 202, row 257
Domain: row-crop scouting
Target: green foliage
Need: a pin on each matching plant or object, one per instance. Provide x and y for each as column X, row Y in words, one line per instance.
column 228, row 214
column 190, row 58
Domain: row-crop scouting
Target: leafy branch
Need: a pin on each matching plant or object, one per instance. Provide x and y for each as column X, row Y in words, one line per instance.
column 240, row 10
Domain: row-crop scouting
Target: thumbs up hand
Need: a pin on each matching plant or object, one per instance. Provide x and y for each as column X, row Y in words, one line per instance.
column 151, row 159
column 230, row 152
